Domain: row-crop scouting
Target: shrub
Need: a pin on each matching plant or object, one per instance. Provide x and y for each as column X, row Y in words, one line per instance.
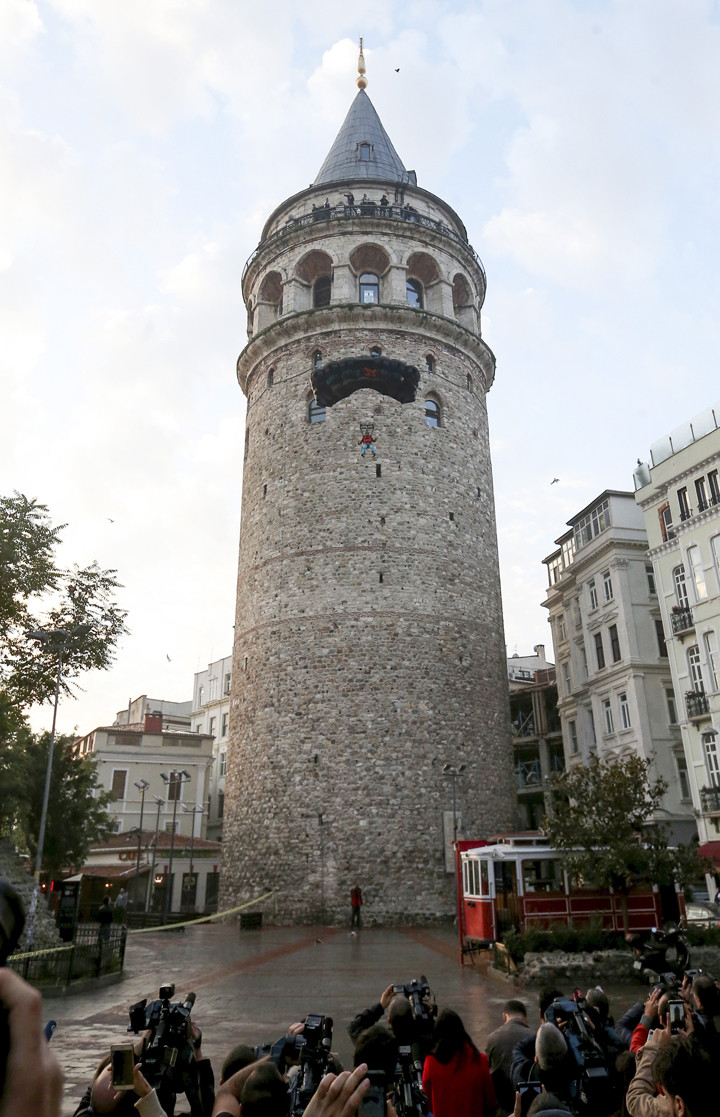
column 571, row 940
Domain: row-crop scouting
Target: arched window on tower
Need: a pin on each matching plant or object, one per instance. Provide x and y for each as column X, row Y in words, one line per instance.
column 468, row 382
column 369, row 288
column 432, row 412
column 316, row 414
column 317, row 359
column 414, row 293
column 321, row 291
column 364, row 150
column 271, row 378
column 375, row 351
column 429, row 362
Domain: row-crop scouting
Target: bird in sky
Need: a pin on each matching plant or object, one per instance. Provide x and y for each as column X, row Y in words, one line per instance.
column 167, row 657
column 554, row 480
column 398, row 70
column 111, row 520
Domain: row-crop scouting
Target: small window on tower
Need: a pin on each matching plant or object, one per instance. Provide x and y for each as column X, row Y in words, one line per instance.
column 321, row 291
column 316, row 414
column 369, row 288
column 429, row 362
column 317, row 359
column 432, row 413
column 364, row 150
column 414, row 293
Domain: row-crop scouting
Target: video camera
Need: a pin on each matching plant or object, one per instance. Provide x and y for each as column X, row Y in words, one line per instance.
column 168, row 1061
column 311, row 1049
column 592, row 1080
column 419, row 993
column 410, row 1099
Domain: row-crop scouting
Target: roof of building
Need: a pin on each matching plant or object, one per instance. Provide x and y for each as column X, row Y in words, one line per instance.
column 139, row 727
column 362, row 125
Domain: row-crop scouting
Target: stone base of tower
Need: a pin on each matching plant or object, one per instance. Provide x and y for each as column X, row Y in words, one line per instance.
column 335, row 765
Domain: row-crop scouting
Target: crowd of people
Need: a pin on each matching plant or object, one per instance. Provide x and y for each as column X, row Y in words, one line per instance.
column 409, row 1061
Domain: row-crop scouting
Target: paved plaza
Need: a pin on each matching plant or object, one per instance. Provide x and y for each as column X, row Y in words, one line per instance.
column 251, row 985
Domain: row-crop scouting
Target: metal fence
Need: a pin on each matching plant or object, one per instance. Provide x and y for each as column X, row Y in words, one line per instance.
column 89, row 955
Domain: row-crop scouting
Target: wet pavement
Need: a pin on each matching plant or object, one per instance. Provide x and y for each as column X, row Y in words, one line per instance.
column 251, row 985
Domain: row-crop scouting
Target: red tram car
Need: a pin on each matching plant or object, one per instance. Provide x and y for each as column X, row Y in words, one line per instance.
column 516, row 881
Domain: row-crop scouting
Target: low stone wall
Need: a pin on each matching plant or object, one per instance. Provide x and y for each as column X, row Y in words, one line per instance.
column 603, row 966
column 12, row 869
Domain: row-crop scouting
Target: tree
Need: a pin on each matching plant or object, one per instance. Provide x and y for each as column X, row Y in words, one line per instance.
column 38, row 594
column 77, row 816
column 604, row 823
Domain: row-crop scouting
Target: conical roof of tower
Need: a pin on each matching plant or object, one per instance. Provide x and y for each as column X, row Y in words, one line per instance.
column 362, row 125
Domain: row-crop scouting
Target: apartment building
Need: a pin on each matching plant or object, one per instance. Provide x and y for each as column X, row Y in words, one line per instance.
column 615, row 687
column 210, row 715
column 678, row 492
column 536, row 733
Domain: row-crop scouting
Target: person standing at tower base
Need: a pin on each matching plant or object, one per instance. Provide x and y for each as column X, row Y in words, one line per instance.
column 356, row 901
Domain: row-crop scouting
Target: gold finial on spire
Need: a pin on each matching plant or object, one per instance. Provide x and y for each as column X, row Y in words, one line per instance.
column 362, row 80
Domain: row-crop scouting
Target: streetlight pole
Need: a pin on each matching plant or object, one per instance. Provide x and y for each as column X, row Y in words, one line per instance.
column 142, row 786
column 453, row 772
column 45, row 638
column 174, row 781
column 160, row 803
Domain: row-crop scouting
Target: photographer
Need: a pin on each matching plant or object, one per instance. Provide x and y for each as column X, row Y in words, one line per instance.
column 677, row 1065
column 260, row 1090
column 33, row 1079
column 102, row 1097
column 410, row 1011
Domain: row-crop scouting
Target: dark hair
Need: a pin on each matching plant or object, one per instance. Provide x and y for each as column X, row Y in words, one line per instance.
column 597, row 999
column 240, row 1056
column 450, row 1037
column 683, row 1069
column 377, row 1047
column 265, row 1093
column 514, row 1008
column 546, row 1101
column 400, row 1019
column 547, row 996
column 707, row 995
column 625, row 1067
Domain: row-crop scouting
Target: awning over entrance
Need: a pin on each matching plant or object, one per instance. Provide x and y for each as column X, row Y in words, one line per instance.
column 711, row 850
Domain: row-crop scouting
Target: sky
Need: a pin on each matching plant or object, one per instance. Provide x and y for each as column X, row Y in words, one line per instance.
column 143, row 143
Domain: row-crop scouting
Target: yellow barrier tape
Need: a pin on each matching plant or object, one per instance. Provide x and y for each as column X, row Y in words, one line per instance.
column 201, row 918
column 39, row 953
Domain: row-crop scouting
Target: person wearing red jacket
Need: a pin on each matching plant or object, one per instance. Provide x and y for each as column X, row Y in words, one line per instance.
column 456, row 1076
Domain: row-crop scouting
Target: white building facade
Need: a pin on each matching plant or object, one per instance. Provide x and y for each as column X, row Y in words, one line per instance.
column 678, row 492
column 210, row 715
column 615, row 691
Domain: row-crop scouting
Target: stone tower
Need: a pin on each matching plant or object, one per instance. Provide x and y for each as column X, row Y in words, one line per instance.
column 369, row 647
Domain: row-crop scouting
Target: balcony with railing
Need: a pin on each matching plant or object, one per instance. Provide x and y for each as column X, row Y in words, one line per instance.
column 697, row 704
column 681, row 619
column 710, row 800
column 391, row 212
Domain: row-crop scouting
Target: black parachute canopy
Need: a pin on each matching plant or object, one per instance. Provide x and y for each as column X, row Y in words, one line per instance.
column 338, row 379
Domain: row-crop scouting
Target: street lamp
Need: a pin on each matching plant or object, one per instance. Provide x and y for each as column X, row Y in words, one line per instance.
column 174, row 781
column 59, row 638
column 453, row 772
column 193, row 811
column 160, row 803
column 142, row 786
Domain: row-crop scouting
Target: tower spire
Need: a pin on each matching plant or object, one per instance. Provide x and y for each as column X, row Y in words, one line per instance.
column 362, row 80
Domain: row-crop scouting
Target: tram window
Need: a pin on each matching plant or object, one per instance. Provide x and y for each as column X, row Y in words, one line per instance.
column 485, row 878
column 471, row 878
column 542, row 876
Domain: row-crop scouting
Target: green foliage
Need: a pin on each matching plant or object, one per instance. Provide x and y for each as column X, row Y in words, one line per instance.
column 38, row 594
column 76, row 816
column 536, row 940
column 702, row 936
column 602, row 824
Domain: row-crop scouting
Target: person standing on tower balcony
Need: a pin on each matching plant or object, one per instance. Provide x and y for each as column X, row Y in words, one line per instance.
column 356, row 901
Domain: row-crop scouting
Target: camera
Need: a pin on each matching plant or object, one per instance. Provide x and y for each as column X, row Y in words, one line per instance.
column 592, row 1078
column 311, row 1050
column 419, row 993
column 12, row 921
column 676, row 1014
column 410, row 1099
column 168, row 1061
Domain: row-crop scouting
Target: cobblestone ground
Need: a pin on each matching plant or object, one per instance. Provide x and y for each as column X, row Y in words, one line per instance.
column 251, row 985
